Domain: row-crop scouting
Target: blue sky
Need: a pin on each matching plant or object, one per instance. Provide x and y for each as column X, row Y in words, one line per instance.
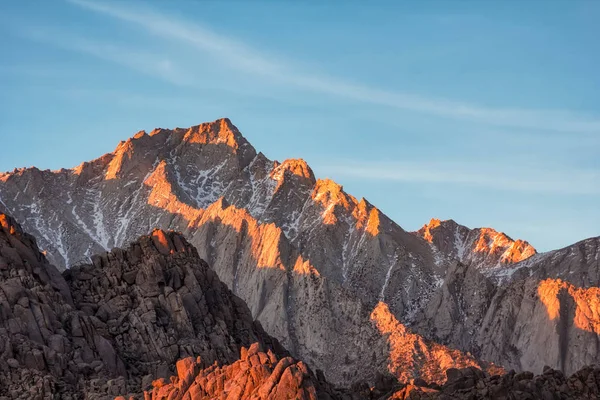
column 484, row 112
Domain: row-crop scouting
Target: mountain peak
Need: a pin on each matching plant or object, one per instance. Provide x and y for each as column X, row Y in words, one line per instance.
column 295, row 166
column 327, row 191
column 139, row 134
column 512, row 251
column 425, row 231
column 484, row 246
column 331, row 195
column 221, row 131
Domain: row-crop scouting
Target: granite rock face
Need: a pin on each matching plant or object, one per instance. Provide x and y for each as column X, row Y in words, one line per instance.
column 38, row 355
column 112, row 327
column 524, row 315
column 256, row 375
column 159, row 302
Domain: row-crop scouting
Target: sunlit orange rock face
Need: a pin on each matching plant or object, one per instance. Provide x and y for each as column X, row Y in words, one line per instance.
column 162, row 195
column 426, row 230
column 484, row 246
column 123, row 151
column 332, row 196
column 217, row 132
column 265, row 238
column 296, row 166
column 256, row 375
column 7, row 223
column 493, row 242
column 587, row 303
column 303, row 267
column 411, row 356
column 411, row 391
column 367, row 217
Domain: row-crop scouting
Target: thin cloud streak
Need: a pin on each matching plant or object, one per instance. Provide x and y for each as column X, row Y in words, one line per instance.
column 238, row 55
column 572, row 182
column 242, row 57
column 146, row 63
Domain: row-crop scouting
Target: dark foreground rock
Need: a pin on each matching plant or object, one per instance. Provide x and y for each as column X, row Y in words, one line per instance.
column 471, row 383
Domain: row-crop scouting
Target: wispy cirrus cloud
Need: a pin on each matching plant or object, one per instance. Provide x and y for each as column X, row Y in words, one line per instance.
column 146, row 62
column 507, row 178
column 242, row 57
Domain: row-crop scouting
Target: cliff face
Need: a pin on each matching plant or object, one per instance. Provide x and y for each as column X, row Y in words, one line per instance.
column 36, row 310
column 524, row 315
column 155, row 318
column 159, row 302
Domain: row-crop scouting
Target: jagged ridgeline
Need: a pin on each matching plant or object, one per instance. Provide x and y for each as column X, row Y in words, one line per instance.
column 320, row 269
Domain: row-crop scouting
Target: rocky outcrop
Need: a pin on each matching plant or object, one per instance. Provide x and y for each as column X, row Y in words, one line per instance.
column 157, row 302
column 38, row 356
column 112, row 327
column 256, row 375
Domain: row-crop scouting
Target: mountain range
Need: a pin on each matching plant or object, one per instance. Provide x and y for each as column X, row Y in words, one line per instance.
column 318, row 269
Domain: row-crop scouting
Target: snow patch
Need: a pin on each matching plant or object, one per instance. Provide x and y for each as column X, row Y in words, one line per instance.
column 4, row 204
column 393, row 261
column 459, row 245
column 81, row 223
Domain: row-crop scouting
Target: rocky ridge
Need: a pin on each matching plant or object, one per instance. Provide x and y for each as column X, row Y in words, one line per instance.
column 487, row 249
column 126, row 322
